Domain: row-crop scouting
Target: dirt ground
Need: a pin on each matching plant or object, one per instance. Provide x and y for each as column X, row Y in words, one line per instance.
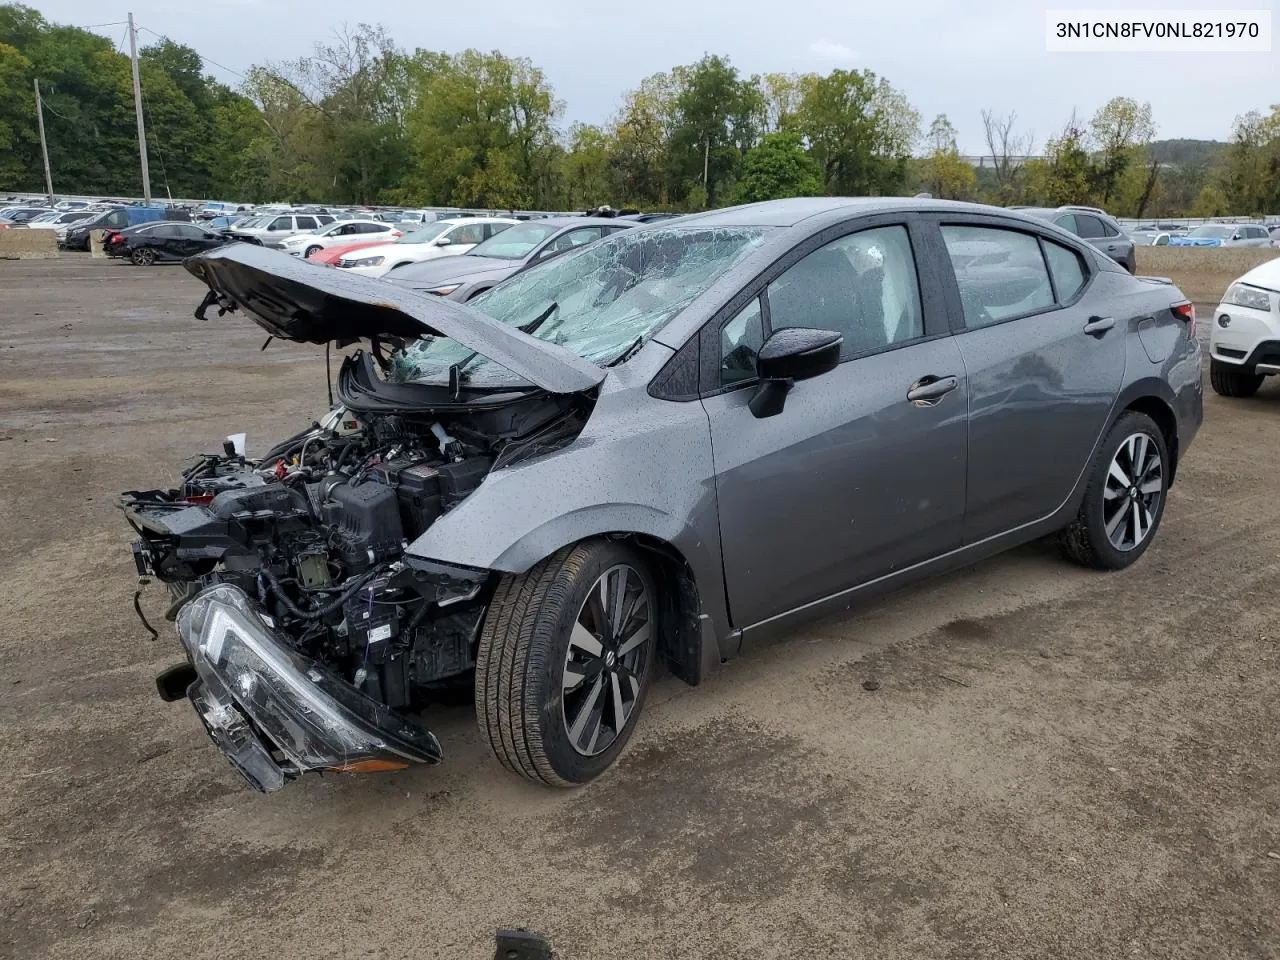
column 1056, row 763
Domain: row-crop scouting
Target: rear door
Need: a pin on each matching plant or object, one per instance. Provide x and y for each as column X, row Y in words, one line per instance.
column 1044, row 362
column 852, row 480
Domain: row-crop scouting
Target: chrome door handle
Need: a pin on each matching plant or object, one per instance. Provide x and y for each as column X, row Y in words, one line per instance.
column 927, row 391
column 1099, row 325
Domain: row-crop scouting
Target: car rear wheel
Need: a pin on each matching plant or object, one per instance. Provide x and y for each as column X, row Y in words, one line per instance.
column 564, row 661
column 310, row 251
column 143, row 256
column 1123, row 503
column 1229, row 381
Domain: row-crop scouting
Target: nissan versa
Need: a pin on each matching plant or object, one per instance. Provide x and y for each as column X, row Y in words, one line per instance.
column 670, row 445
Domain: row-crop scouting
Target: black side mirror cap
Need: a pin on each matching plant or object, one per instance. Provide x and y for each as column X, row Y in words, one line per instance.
column 791, row 354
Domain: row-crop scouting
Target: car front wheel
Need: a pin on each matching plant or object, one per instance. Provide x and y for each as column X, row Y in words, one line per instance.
column 1229, row 381
column 143, row 256
column 310, row 252
column 1123, row 503
column 564, row 661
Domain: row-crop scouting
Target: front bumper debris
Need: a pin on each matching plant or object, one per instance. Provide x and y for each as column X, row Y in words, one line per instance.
column 276, row 714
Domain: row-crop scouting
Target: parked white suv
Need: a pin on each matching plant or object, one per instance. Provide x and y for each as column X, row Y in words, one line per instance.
column 1244, row 338
column 343, row 231
column 444, row 238
column 265, row 229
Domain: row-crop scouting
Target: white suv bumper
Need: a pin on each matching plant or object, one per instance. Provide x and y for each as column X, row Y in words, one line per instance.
column 1247, row 336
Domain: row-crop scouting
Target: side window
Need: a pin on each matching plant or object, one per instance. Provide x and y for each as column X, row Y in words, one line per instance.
column 324, row 219
column 1088, row 226
column 740, row 340
column 117, row 219
column 1108, row 229
column 575, row 238
column 1067, row 222
column 188, row 232
column 862, row 286
column 1000, row 273
column 1068, row 271
column 468, row 233
column 281, row 223
column 306, row 223
column 165, row 230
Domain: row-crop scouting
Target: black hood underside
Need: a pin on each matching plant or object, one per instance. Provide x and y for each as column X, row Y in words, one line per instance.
column 307, row 303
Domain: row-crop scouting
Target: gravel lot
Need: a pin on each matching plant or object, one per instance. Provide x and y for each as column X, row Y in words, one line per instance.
column 1055, row 762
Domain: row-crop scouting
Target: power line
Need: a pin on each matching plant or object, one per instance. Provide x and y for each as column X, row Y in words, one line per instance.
column 201, row 55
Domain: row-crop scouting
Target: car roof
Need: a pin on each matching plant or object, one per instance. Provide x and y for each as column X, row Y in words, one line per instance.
column 562, row 222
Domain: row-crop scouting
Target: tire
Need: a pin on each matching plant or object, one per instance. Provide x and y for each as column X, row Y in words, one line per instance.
column 1228, row 381
column 526, row 662
column 142, row 256
column 307, row 254
column 1099, row 536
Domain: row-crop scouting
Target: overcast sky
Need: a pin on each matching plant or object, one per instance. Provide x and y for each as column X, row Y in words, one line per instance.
column 948, row 57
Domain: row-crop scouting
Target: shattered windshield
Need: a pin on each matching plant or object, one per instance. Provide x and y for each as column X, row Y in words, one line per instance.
column 598, row 303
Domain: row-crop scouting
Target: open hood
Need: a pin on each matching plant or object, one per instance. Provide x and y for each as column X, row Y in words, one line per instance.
column 295, row 300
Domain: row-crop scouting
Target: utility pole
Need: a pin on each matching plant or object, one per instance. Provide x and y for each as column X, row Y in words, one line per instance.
column 706, row 163
column 44, row 147
column 137, row 103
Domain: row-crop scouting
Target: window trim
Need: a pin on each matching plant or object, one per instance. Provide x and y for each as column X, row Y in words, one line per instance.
column 711, row 332
column 955, row 308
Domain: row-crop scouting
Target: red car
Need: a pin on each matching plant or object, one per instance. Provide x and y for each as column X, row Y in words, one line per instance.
column 330, row 255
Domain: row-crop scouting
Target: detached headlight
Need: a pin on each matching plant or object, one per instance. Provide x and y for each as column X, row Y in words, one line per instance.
column 445, row 290
column 311, row 717
column 366, row 262
column 1243, row 295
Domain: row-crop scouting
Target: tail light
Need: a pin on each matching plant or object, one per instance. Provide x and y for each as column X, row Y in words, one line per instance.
column 1186, row 311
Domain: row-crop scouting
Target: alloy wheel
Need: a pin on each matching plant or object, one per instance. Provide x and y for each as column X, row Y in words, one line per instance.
column 1131, row 497
column 605, row 665
column 144, row 256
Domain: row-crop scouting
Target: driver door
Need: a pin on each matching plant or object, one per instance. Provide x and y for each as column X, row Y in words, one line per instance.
column 853, row 480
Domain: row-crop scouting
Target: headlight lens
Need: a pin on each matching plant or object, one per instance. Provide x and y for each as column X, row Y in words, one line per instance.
column 285, row 696
column 1243, row 295
column 366, row 262
column 445, row 290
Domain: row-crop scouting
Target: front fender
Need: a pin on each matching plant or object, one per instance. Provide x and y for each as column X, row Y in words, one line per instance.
column 640, row 466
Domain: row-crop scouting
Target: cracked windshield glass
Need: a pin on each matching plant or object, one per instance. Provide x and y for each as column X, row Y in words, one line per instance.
column 599, row 303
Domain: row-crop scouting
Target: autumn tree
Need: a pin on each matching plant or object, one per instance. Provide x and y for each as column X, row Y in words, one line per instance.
column 779, row 167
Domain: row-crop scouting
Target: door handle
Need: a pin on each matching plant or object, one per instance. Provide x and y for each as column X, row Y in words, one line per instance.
column 927, row 391
column 1097, row 326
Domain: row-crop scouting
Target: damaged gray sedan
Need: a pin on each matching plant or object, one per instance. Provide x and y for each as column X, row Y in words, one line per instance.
column 680, row 440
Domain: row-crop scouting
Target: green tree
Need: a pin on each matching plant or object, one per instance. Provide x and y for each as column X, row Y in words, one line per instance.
column 1122, row 128
column 779, row 167
column 586, row 175
column 640, row 135
column 859, row 130
column 481, row 129
column 716, row 122
column 945, row 174
column 17, row 110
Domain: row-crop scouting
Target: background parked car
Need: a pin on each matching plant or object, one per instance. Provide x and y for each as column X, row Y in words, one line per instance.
column 55, row 219
column 335, row 234
column 1225, row 235
column 11, row 216
column 277, row 227
column 1244, row 338
column 76, row 236
column 504, row 254
column 161, row 242
column 445, row 238
column 1094, row 226
column 1150, row 238
column 329, row 256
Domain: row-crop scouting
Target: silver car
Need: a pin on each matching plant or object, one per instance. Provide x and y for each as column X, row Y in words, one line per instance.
column 659, row 450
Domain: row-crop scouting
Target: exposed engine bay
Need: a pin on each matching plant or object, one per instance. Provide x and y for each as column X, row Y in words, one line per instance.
column 315, row 530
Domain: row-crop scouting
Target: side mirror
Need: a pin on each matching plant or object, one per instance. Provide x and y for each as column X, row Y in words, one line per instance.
column 791, row 354
column 443, row 242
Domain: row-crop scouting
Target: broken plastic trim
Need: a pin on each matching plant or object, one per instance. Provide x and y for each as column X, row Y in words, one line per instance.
column 259, row 698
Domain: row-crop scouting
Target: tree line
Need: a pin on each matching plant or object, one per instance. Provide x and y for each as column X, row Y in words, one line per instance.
column 363, row 121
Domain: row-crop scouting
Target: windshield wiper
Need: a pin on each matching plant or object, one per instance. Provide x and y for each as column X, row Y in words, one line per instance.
column 628, row 353
column 455, row 370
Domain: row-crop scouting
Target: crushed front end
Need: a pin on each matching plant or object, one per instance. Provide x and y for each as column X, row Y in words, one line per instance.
column 313, row 637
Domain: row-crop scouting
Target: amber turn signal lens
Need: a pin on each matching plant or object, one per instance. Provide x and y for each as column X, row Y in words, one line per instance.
column 369, row 766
